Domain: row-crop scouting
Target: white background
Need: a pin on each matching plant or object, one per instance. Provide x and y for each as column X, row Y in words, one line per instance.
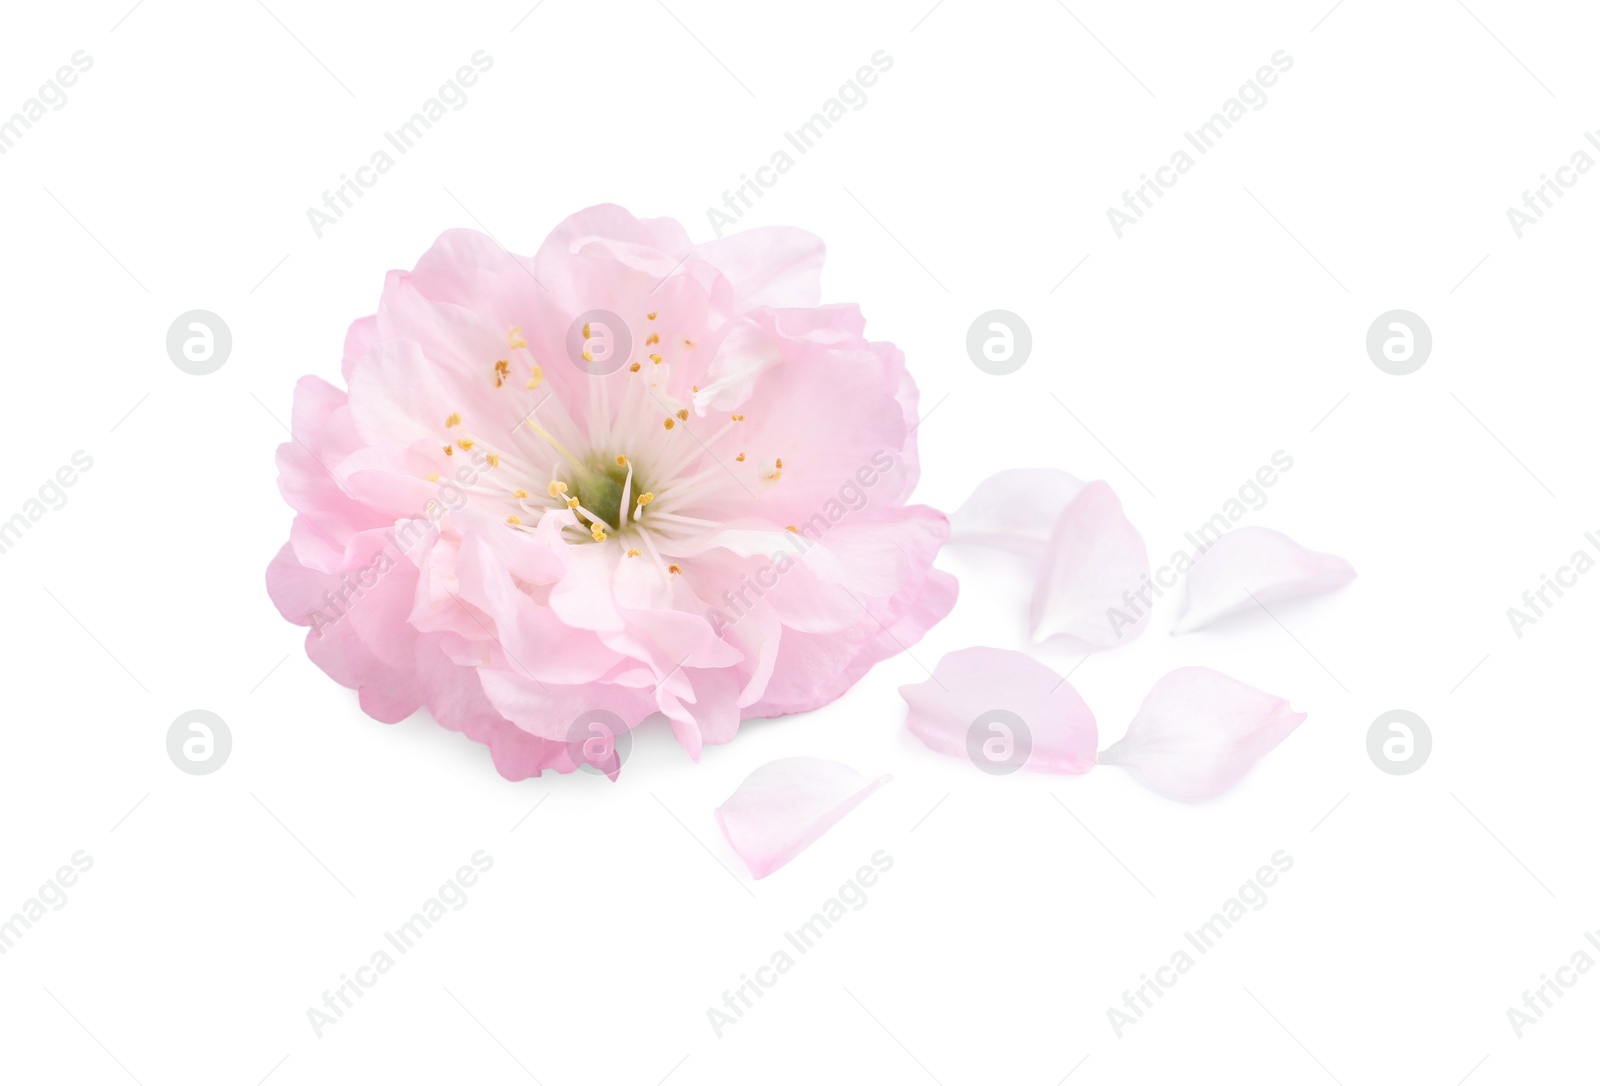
column 1228, row 324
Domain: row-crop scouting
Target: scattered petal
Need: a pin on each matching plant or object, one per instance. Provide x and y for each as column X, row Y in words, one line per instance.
column 1198, row 732
column 1256, row 562
column 1095, row 567
column 784, row 806
column 1091, row 561
column 1015, row 510
column 1002, row 710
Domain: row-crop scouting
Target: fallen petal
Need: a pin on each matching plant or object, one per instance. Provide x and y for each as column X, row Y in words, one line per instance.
column 1198, row 732
column 1015, row 510
column 785, row 805
column 1003, row 711
column 1255, row 564
column 1095, row 565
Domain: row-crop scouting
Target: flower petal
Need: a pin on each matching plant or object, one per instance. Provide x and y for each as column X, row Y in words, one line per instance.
column 1015, row 510
column 771, row 265
column 1255, row 564
column 1198, row 732
column 1094, row 567
column 784, row 806
column 1003, row 710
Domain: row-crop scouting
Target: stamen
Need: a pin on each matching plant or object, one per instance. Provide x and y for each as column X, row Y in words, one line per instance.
column 502, row 370
column 674, row 568
column 557, row 488
column 634, row 552
column 683, row 414
column 448, row 451
column 514, row 338
column 650, row 316
column 432, row 476
column 453, row 420
column 668, row 423
column 519, row 494
column 513, row 520
column 494, row 460
column 538, row 377
column 653, row 340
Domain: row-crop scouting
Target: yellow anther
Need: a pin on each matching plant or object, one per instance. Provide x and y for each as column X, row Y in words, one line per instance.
column 572, row 503
column 683, row 414
column 778, row 463
column 432, row 476
column 654, row 339
column 513, row 520
column 791, row 528
column 448, row 451
column 587, row 357
column 453, row 420
column 634, row 552
column 668, row 423
column 466, row 443
column 494, row 460
column 598, row 535
column 537, row 379
column 622, row 461
column 514, row 338
column 650, row 316
column 656, row 359
column 519, row 494
column 502, row 370
column 646, row 498
column 674, row 568
column 557, row 487
column 634, row 368
column 739, row 458
column 738, row 418
column 585, row 331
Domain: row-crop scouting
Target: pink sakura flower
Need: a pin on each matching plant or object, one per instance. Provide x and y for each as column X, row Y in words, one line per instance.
column 632, row 475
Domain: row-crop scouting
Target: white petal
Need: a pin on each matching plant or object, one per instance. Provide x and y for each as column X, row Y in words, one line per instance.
column 1015, row 510
column 1095, row 565
column 1260, row 563
column 784, row 806
column 1198, row 732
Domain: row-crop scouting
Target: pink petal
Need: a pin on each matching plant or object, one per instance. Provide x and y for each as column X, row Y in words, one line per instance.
column 1095, row 566
column 784, row 806
column 771, row 265
column 1256, row 562
column 1002, row 710
column 1198, row 732
column 1015, row 510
